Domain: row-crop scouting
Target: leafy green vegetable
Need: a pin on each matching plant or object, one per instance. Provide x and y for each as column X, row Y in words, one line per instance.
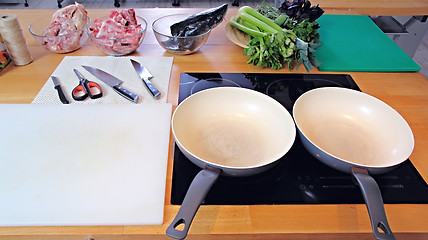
column 277, row 40
column 299, row 17
column 270, row 45
column 307, row 31
column 304, row 29
column 268, row 11
column 272, row 50
column 301, row 10
column 305, row 54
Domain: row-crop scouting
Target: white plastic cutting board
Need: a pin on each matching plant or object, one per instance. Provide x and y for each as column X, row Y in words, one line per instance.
column 83, row 164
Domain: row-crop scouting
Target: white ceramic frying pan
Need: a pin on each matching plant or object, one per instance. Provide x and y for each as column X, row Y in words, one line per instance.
column 231, row 131
column 356, row 133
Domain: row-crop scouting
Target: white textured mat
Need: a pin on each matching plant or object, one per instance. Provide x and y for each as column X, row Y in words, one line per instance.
column 120, row 67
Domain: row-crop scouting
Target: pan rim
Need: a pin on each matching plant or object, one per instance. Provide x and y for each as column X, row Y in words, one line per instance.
column 372, row 98
column 289, row 142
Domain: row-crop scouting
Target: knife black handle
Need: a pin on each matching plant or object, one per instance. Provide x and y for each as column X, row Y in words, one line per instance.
column 61, row 95
column 152, row 89
column 126, row 93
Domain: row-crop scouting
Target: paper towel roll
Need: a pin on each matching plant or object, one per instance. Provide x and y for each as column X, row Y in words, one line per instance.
column 15, row 42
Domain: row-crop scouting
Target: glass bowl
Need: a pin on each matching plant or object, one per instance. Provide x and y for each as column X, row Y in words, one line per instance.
column 177, row 45
column 118, row 43
column 65, row 42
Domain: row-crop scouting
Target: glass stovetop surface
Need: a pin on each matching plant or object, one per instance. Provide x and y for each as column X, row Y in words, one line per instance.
column 298, row 178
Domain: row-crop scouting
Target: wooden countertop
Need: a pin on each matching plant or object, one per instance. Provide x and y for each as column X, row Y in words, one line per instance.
column 406, row 92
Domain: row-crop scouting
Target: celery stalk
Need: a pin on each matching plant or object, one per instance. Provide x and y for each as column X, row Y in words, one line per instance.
column 252, row 26
column 250, row 11
column 257, row 22
column 245, row 29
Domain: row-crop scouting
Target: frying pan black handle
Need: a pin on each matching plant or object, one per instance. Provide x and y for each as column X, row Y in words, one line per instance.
column 196, row 193
column 374, row 203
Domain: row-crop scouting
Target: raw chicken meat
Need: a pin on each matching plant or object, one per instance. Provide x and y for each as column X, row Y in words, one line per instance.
column 76, row 13
column 118, row 34
column 61, row 35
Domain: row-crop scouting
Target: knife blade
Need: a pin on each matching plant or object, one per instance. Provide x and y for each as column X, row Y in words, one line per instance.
column 59, row 90
column 113, row 82
column 145, row 75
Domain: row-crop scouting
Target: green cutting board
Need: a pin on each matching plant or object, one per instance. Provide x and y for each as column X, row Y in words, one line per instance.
column 354, row 43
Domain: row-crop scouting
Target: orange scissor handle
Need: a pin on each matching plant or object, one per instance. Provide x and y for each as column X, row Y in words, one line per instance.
column 86, row 88
column 79, row 93
column 93, row 89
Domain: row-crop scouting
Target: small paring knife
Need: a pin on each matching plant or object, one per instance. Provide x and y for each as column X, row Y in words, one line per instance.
column 59, row 89
column 113, row 82
column 145, row 75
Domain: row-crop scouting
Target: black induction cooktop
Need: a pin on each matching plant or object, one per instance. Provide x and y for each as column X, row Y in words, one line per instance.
column 298, row 178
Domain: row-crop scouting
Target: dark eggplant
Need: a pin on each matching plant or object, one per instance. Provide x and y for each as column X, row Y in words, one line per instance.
column 199, row 23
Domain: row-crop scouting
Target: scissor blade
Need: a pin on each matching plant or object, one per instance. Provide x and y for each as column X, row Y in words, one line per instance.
column 79, row 75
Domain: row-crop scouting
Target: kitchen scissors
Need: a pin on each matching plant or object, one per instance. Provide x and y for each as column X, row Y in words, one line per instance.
column 85, row 88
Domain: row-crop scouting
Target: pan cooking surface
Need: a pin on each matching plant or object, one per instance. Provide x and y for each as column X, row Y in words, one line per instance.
column 230, row 144
column 298, row 178
column 359, row 129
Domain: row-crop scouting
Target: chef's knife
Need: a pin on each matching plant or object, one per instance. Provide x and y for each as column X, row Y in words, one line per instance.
column 145, row 75
column 59, row 89
column 113, row 82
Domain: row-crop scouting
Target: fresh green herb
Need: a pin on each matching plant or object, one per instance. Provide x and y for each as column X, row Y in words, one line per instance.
column 277, row 40
column 272, row 50
column 268, row 11
column 305, row 54
column 307, row 31
column 301, row 10
column 304, row 29
column 299, row 17
column 270, row 45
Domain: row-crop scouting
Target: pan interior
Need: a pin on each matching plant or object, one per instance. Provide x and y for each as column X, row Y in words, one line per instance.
column 233, row 127
column 354, row 127
column 230, row 141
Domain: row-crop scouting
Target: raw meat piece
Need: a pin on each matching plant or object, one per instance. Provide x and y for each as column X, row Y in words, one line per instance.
column 76, row 13
column 60, row 35
column 118, row 34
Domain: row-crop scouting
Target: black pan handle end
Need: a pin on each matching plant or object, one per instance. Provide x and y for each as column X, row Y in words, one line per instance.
column 196, row 193
column 374, row 203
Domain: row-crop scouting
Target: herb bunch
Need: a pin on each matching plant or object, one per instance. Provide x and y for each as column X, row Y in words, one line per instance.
column 277, row 39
